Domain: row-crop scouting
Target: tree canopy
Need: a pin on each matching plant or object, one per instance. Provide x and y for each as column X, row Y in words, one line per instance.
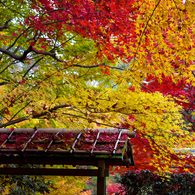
column 90, row 63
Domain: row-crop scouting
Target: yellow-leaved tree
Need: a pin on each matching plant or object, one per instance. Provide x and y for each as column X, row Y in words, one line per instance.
column 84, row 64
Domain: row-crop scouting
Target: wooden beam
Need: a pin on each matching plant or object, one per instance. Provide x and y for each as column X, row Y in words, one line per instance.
column 41, row 130
column 46, row 171
column 51, row 160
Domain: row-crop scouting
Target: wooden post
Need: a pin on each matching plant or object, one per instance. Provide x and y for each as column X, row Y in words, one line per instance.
column 101, row 179
column 101, row 185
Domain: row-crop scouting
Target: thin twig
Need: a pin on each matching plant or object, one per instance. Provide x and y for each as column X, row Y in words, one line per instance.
column 146, row 27
column 32, row 66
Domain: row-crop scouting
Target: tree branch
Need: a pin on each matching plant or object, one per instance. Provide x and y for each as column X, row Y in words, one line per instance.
column 15, row 121
column 32, row 66
column 90, row 120
column 16, row 57
column 3, row 83
column 5, row 26
column 47, row 53
column 36, row 116
column 146, row 27
column 14, row 42
column 9, row 53
column 20, row 110
column 53, row 55
column 97, row 65
column 33, row 116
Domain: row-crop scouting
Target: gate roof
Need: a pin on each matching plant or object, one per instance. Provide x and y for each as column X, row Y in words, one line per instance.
column 62, row 146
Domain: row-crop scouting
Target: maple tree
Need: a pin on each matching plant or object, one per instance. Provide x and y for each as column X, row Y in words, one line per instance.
column 69, row 184
column 179, row 91
column 84, row 64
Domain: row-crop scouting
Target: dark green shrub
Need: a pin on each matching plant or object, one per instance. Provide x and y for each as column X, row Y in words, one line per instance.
column 148, row 183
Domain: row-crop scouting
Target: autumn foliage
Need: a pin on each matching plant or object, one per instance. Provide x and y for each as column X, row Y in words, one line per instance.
column 99, row 63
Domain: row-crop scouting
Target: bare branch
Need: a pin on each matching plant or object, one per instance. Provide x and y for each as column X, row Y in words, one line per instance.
column 36, row 116
column 51, row 110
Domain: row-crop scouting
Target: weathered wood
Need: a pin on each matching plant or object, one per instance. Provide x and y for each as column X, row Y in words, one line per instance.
column 53, row 131
column 48, row 160
column 31, row 138
column 76, row 140
column 46, row 171
column 7, row 139
column 50, row 143
column 101, row 185
column 96, row 140
column 101, row 167
column 119, row 136
column 101, row 179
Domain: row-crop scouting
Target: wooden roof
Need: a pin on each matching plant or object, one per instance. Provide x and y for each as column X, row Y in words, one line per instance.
column 62, row 146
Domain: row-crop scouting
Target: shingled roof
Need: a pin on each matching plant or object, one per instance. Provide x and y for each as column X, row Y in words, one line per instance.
column 62, row 146
column 100, row 148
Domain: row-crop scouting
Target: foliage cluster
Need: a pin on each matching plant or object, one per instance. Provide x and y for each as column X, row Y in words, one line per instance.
column 69, row 185
column 147, row 182
column 24, row 184
column 114, row 188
